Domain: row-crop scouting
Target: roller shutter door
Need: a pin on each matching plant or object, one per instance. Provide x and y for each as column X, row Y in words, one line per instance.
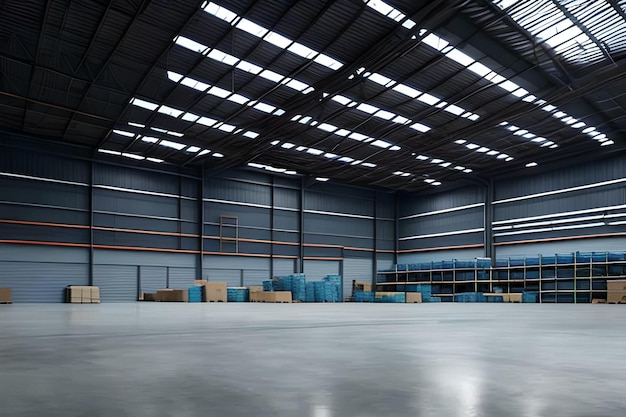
column 181, row 278
column 232, row 277
column 41, row 282
column 359, row 269
column 118, row 283
column 153, row 278
column 284, row 267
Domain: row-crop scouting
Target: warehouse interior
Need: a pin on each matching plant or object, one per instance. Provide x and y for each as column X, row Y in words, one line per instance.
column 469, row 152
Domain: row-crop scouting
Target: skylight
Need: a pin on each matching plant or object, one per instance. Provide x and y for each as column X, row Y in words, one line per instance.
column 575, row 40
column 308, row 120
column 194, row 118
column 173, row 145
column 270, row 36
column 323, row 154
column 272, row 169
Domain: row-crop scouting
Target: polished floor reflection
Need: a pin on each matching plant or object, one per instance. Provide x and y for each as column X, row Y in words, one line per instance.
column 312, row 360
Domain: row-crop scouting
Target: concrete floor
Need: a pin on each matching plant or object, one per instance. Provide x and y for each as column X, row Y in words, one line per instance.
column 312, row 360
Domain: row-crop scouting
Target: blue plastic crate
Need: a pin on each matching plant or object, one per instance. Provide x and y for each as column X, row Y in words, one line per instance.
column 548, row 273
column 599, row 256
column 432, row 300
column 465, row 264
column 438, row 265
column 483, row 263
column 565, row 273
column 548, row 260
column 583, row 257
column 583, row 284
column 599, row 285
column 532, row 261
column 401, row 267
column 495, row 299
column 483, row 275
column 425, row 266
column 447, row 264
column 268, row 286
column 530, row 297
column 517, row 261
column 364, row 297
column 564, row 258
column 616, row 270
column 502, row 262
column 615, row 256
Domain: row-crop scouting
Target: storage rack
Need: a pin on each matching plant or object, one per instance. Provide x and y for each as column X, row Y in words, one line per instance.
column 576, row 277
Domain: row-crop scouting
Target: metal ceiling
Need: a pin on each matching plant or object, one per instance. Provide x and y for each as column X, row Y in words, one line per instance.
column 71, row 70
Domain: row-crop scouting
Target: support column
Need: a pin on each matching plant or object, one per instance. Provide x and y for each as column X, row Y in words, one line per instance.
column 489, row 250
column 272, row 229
column 200, row 259
column 91, row 207
column 301, row 257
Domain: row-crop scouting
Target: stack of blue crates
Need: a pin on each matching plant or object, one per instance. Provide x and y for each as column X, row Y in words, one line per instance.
column 530, row 297
column 495, row 299
column 470, row 297
column 309, row 292
column 268, row 286
column 284, row 283
column 363, row 297
column 298, row 287
column 319, row 291
column 195, row 294
column 237, row 295
column 332, row 288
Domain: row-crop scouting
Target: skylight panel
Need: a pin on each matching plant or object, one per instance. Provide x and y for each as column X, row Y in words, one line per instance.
column 406, row 90
column 358, row 136
column 218, row 92
column 287, row 145
column 173, row 145
column 170, row 111
column 124, row 133
column 264, row 107
column 421, row 157
column 321, row 179
column 271, row 75
column 222, row 57
column 149, row 139
column 380, row 6
column 380, row 79
column 314, row 151
column 460, row 57
column 139, row 125
column 296, row 85
column 173, row 133
column 158, row 129
column 301, row 50
column 156, row 160
column 226, row 127
column 401, row 120
column 195, row 84
column 435, row 42
column 248, row 67
column 190, row 44
column 327, row 127
column 341, row 99
column 277, row 40
column 328, row 62
column 330, row 155
column 384, row 114
column 217, row 155
column 239, row 99
column 204, row 152
column 206, row 121
column 144, row 104
column 367, row 108
column 251, row 27
column 342, row 132
column 220, row 12
column 369, row 165
column 346, row 159
column 190, row 117
column 174, row 76
column 429, row 99
column 509, row 86
column 110, row 152
column 454, row 109
column 479, row 69
column 381, row 144
column 420, row 127
column 193, row 149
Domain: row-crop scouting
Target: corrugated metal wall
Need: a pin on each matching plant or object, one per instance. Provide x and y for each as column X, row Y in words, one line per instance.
column 284, row 267
column 180, row 277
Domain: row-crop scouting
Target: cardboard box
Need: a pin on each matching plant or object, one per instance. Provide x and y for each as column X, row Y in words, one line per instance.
column 598, row 301
column 172, row 296
column 271, row 297
column 200, row 282
column 413, row 297
column 512, row 298
column 362, row 286
column 255, row 288
column 148, row 296
column 615, row 291
column 215, row 291
column 6, row 295
column 82, row 294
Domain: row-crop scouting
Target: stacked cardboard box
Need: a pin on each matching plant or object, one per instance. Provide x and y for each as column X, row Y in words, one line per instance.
column 213, row 291
column 78, row 294
column 271, row 297
column 172, row 296
column 616, row 291
column 6, row 296
column 414, row 297
column 361, row 286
